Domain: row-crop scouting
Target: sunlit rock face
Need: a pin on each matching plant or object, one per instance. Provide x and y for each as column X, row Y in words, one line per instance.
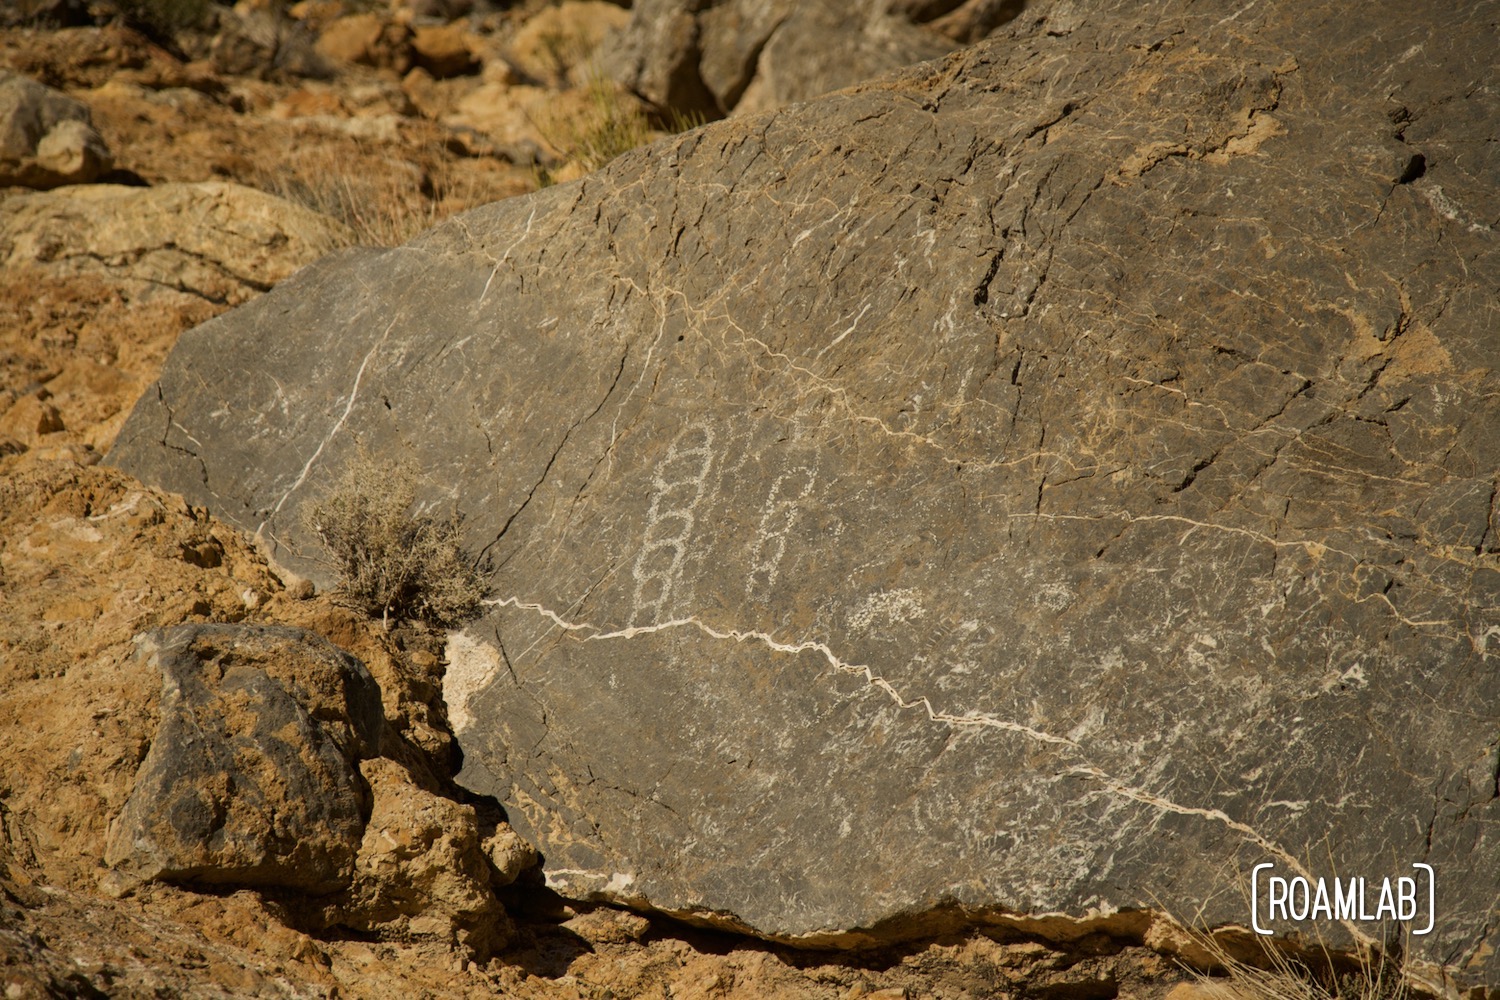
column 1057, row 479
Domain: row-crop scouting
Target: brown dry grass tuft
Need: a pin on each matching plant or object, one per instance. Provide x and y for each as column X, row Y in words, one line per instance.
column 1285, row 973
column 608, row 123
column 387, row 206
column 394, row 562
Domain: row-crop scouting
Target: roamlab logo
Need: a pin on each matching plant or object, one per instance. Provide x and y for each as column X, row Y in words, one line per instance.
column 1279, row 899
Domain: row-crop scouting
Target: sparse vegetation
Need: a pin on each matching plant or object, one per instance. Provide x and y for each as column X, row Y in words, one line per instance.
column 609, row 123
column 1276, row 974
column 377, row 214
column 611, row 126
column 377, row 209
column 394, row 561
column 382, row 208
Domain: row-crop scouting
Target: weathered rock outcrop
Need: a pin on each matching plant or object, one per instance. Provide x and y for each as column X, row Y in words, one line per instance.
column 252, row 778
column 1056, row 479
column 422, row 869
column 89, row 558
column 46, row 138
column 221, row 242
column 755, row 55
column 273, row 768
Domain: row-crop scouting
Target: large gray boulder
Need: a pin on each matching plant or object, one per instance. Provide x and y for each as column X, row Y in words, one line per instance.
column 717, row 56
column 1055, row 480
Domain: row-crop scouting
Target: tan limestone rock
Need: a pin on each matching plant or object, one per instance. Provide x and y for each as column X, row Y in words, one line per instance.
column 369, row 40
column 420, row 870
column 509, row 852
column 221, row 242
column 443, row 50
column 560, row 45
column 609, row 926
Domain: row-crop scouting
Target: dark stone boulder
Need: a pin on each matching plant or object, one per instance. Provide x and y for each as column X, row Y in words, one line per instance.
column 252, row 778
column 1054, row 480
column 754, row 55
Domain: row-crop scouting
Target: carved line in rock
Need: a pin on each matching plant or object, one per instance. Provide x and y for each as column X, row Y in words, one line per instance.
column 971, row 461
column 183, row 430
column 777, row 520
column 711, row 315
column 1310, row 546
column 968, row 720
column 504, row 255
column 836, row 391
column 658, row 306
column 669, row 521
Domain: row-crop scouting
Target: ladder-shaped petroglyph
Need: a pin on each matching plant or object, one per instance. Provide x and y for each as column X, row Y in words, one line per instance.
column 778, row 518
column 677, row 487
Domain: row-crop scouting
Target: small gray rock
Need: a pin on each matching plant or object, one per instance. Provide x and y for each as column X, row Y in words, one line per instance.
column 715, row 56
column 47, row 139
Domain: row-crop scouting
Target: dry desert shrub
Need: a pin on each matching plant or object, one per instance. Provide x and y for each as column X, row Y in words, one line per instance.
column 394, row 561
column 1277, row 974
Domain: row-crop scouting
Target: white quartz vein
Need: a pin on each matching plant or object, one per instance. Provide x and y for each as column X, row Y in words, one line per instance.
column 1312, row 547
column 974, row 720
column 337, row 426
column 505, row 255
column 837, row 340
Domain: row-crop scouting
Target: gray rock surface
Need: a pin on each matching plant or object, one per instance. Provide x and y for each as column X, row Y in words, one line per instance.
column 264, row 42
column 970, row 20
column 1054, row 480
column 46, row 138
column 755, row 55
column 253, row 776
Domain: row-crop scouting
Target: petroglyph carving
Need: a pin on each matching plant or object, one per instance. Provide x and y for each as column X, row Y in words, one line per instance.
column 677, row 487
column 783, row 507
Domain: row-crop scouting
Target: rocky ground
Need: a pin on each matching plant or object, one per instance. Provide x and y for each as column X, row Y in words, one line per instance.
column 225, row 156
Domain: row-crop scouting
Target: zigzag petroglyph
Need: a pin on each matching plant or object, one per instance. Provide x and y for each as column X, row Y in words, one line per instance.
column 968, row 720
column 677, row 487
